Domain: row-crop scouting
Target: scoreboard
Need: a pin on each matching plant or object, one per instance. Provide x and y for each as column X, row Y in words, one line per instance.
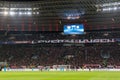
column 74, row 29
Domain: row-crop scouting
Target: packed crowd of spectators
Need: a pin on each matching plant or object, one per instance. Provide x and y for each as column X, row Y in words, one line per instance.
column 16, row 55
column 59, row 54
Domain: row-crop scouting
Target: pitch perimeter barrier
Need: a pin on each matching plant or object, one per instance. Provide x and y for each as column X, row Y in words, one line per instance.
column 35, row 69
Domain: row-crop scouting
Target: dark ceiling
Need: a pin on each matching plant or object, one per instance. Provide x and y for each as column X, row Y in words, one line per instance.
column 54, row 14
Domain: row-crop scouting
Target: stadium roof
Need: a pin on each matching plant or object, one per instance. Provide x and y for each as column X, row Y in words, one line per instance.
column 94, row 14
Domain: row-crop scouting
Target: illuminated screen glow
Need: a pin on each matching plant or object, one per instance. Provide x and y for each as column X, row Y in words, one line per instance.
column 74, row 29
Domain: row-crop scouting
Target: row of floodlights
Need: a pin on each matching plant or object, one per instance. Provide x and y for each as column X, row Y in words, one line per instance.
column 18, row 13
column 27, row 9
column 109, row 4
column 111, row 8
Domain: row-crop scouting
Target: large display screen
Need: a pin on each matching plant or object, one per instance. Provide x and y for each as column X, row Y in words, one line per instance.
column 74, row 29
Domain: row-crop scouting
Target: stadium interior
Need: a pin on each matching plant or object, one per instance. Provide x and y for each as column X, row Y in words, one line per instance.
column 33, row 35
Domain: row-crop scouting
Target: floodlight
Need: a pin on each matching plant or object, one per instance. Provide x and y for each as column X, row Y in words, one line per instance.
column 20, row 13
column 12, row 13
column 77, row 17
column 68, row 17
column 37, row 12
column 115, row 8
column 6, row 13
column 29, row 13
column 111, row 9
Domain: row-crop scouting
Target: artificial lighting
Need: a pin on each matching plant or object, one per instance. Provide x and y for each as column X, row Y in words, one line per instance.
column 20, row 13
column 29, row 13
column 68, row 27
column 111, row 9
column 78, row 27
column 12, row 13
column 5, row 13
column 73, row 16
column 114, row 6
column 37, row 12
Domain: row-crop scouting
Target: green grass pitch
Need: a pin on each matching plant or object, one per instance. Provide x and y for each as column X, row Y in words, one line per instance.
column 60, row 75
